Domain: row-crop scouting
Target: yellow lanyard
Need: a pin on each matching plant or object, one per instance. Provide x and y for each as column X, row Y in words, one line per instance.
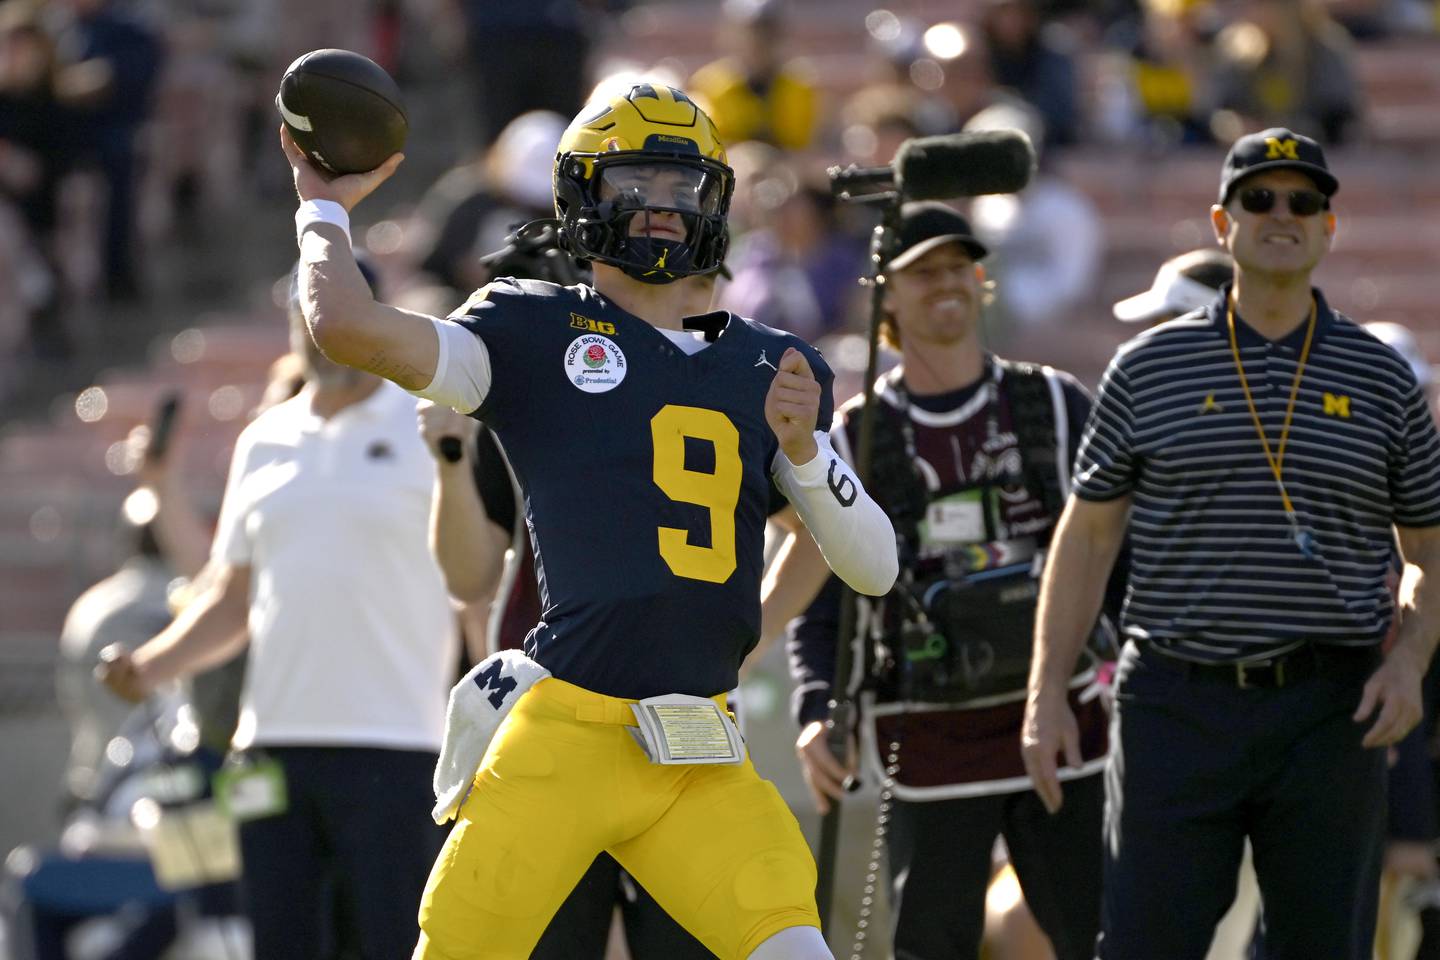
column 1277, row 460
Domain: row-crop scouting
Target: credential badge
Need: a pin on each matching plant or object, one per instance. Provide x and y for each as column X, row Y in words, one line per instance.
column 594, row 363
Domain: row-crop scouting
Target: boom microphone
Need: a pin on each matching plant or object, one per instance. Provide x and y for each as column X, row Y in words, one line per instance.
column 938, row 168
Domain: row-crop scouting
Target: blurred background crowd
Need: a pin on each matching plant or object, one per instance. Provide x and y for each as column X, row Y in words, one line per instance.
column 145, row 221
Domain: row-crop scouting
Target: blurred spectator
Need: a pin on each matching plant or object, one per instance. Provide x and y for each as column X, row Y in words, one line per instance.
column 98, row 887
column 471, row 209
column 19, row 265
column 1159, row 85
column 111, row 63
column 215, row 694
column 121, row 886
column 756, row 180
column 797, row 270
column 1403, row 342
column 1410, row 867
column 1287, row 63
column 892, row 46
column 322, row 569
column 750, row 93
column 203, row 93
column 1036, row 62
column 876, row 120
column 32, row 159
column 527, row 55
column 161, row 538
column 944, row 69
column 1182, row 284
column 127, row 607
column 968, row 84
column 346, row 24
column 1369, row 19
column 30, row 116
column 1047, row 241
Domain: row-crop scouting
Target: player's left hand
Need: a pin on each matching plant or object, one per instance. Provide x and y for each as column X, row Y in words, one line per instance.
column 792, row 405
column 1395, row 689
column 438, row 421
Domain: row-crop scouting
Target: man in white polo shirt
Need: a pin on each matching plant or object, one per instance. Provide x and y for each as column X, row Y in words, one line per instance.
column 325, row 572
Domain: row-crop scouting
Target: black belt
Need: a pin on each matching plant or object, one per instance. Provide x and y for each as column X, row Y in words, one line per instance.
column 1271, row 673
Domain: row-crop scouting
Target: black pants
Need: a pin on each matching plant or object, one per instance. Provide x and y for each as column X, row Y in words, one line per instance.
column 117, row 160
column 342, row 869
column 939, row 855
column 581, row 927
column 1198, row 764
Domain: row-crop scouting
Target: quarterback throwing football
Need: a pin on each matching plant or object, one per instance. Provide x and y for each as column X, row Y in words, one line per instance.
column 645, row 443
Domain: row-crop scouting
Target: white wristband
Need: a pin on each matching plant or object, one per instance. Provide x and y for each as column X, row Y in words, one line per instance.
column 321, row 211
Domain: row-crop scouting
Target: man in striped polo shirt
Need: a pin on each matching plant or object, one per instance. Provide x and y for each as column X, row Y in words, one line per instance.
column 1262, row 454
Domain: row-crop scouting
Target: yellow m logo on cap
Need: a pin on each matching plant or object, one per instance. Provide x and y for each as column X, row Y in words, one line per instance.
column 1337, row 406
column 1276, row 149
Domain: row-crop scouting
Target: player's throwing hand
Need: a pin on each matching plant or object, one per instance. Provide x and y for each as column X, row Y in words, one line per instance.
column 792, row 405
column 346, row 190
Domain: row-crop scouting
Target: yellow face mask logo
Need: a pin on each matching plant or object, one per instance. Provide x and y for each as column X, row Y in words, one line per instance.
column 1277, row 149
column 1337, row 406
column 660, row 264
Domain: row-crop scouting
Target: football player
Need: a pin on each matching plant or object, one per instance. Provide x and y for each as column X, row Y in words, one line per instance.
column 646, row 443
column 484, row 553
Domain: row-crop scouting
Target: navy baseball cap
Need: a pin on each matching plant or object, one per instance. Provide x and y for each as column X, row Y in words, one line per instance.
column 1275, row 149
column 927, row 224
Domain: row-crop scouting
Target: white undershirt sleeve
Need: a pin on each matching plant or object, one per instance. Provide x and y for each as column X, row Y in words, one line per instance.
column 853, row 533
column 462, row 369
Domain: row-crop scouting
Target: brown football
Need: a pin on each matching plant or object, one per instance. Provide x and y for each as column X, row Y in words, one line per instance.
column 343, row 110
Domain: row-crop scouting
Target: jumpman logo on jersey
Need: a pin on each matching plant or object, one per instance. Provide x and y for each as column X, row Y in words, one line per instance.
column 764, row 361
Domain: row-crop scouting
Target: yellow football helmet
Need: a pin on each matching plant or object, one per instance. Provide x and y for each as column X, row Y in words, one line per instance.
column 641, row 183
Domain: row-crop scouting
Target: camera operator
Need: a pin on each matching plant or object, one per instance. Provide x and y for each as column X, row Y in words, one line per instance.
column 971, row 461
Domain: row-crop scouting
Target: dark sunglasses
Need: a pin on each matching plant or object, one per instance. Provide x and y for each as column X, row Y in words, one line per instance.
column 1303, row 203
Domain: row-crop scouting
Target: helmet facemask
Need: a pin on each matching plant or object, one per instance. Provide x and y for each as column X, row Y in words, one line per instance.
column 657, row 217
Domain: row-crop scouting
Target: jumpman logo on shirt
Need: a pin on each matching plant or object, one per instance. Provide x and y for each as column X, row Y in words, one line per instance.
column 764, row 361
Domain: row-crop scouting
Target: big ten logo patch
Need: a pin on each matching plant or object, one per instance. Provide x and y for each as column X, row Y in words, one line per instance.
column 594, row 326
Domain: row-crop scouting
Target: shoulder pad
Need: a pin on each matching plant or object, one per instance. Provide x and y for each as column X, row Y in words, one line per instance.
column 504, row 288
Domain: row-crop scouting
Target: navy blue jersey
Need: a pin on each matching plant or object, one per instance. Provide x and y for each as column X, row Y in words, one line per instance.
column 646, row 477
